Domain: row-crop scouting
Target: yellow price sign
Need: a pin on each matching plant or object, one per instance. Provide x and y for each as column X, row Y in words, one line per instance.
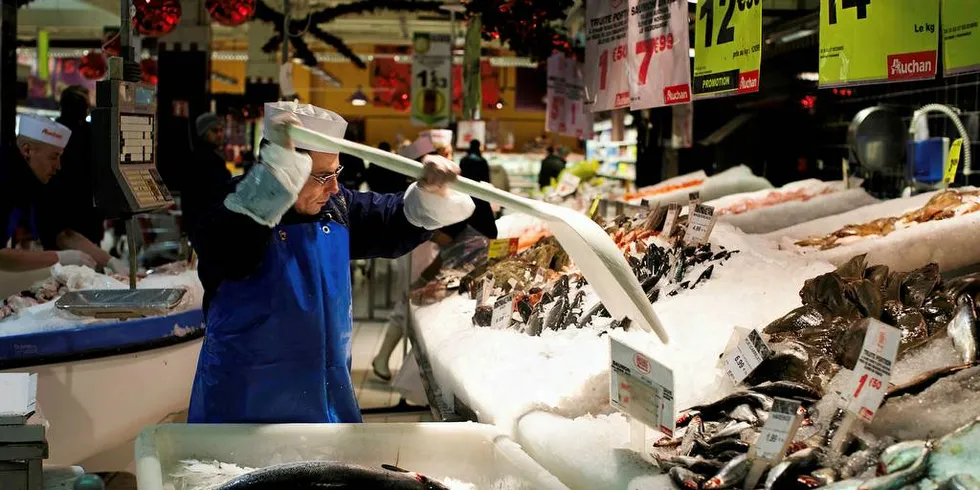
column 953, row 162
column 727, row 47
column 865, row 42
column 503, row 247
column 593, row 208
column 961, row 37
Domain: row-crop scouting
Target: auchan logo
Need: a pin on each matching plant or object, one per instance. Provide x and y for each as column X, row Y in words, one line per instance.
column 642, row 363
column 908, row 66
column 51, row 134
column 677, row 94
column 622, row 99
column 748, row 82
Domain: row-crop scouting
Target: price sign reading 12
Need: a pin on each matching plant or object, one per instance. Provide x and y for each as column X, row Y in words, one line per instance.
column 726, row 31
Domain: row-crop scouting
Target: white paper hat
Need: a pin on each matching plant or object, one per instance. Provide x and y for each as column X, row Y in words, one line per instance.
column 312, row 117
column 427, row 142
column 40, row 128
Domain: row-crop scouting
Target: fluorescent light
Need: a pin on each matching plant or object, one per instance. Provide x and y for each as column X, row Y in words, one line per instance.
column 358, row 99
column 797, row 35
column 809, row 76
column 691, row 52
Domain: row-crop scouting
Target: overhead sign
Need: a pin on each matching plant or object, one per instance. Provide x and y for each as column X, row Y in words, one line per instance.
column 606, row 78
column 961, row 37
column 431, row 69
column 727, row 47
column 565, row 99
column 657, row 53
column 865, row 42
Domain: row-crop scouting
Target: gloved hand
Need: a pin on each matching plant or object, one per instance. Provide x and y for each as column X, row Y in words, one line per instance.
column 118, row 266
column 271, row 188
column 75, row 257
column 429, row 203
column 437, row 173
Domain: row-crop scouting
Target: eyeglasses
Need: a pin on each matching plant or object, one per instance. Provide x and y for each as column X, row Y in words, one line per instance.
column 322, row 179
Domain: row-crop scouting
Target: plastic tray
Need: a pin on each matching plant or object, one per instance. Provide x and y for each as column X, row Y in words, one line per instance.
column 473, row 453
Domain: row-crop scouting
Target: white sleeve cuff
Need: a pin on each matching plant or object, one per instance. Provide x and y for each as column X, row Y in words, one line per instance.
column 433, row 211
column 271, row 187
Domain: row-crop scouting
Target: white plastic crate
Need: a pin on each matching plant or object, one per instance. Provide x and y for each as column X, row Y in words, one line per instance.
column 473, row 453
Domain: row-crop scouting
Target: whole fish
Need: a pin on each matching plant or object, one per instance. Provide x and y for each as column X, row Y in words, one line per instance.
column 962, row 329
column 824, row 476
column 536, row 322
column 743, row 413
column 899, row 479
column 686, row 478
column 720, row 408
column 557, row 313
column 316, row 475
column 693, row 463
column 790, row 468
column 788, row 389
column 731, row 474
column 694, row 433
column 731, row 430
column 900, row 455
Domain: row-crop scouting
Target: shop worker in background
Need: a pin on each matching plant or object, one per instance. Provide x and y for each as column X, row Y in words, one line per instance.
column 551, row 166
column 24, row 169
column 274, row 260
column 67, row 218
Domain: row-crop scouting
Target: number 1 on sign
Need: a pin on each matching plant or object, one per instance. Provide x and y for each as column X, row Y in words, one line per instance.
column 603, row 68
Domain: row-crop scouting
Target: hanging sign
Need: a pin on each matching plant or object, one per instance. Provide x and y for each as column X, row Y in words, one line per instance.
column 555, row 96
column 467, row 131
column 502, row 247
column 861, row 42
column 565, row 99
column 431, row 69
column 961, row 37
column 641, row 387
column 657, row 53
column 606, row 79
column 727, row 47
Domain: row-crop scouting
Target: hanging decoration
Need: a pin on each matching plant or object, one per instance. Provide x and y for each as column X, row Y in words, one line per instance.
column 230, row 12
column 155, row 18
column 93, row 66
column 529, row 27
column 149, row 69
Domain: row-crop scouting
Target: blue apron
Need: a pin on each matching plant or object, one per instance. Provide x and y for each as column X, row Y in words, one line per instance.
column 278, row 343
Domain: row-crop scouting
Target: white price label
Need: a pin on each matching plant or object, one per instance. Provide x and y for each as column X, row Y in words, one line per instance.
column 746, row 356
column 658, row 57
column 699, row 224
column 670, row 221
column 869, row 381
column 606, row 78
column 693, row 199
column 568, row 184
column 485, row 290
column 502, row 310
column 779, row 429
column 641, row 387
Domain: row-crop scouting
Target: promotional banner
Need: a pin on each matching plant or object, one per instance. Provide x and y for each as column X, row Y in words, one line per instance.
column 961, row 37
column 727, row 47
column 606, row 77
column 555, row 97
column 861, row 42
column 566, row 113
column 657, row 55
column 431, row 69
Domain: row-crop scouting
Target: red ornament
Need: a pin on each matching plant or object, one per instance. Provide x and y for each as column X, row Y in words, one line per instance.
column 156, row 18
column 230, row 12
column 149, row 68
column 92, row 66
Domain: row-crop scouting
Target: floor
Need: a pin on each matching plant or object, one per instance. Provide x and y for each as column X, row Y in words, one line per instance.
column 373, row 394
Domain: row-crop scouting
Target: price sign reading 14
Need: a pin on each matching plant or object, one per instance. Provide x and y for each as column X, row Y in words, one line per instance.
column 728, row 47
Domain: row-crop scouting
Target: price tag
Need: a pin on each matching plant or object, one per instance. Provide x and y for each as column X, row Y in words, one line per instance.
column 741, row 360
column 641, row 387
column 779, row 429
column 565, row 98
column 699, row 224
column 953, row 162
column 657, row 54
column 861, row 42
column 593, row 208
column 868, row 382
column 961, row 37
column 693, row 199
column 503, row 247
column 606, row 80
column 431, row 69
column 502, row 310
column 670, row 220
column 568, row 184
column 727, row 47
column 486, row 289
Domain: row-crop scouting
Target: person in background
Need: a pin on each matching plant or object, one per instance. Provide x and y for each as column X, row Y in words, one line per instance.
column 474, row 167
column 551, row 166
column 24, row 170
column 354, row 172
column 380, row 179
column 274, row 251
column 208, row 172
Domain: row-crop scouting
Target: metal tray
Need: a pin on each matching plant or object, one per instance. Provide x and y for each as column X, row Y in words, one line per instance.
column 120, row 303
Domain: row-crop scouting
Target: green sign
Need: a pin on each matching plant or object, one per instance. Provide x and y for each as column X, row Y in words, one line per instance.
column 431, row 87
column 961, row 37
column 865, row 41
column 727, row 47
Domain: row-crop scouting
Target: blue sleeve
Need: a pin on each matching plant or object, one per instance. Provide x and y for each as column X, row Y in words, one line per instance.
column 378, row 226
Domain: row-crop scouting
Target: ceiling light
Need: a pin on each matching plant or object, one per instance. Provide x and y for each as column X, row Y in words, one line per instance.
column 500, row 104
column 358, row 99
column 800, row 34
column 808, row 76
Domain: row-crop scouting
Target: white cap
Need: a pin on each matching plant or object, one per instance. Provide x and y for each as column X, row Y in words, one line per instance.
column 40, row 128
column 312, row 117
column 427, row 142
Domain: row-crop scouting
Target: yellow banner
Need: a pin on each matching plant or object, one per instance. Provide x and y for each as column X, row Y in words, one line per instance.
column 961, row 37
column 502, row 248
column 727, row 47
column 866, row 42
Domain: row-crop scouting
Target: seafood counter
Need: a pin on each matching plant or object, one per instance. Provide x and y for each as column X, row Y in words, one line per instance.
column 541, row 373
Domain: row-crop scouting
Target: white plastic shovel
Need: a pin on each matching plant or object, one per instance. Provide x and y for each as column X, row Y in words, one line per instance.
column 601, row 262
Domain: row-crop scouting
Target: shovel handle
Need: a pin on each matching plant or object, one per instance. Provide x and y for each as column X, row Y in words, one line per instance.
column 410, row 168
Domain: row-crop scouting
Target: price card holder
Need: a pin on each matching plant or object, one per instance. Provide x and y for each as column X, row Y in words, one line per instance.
column 670, row 220
column 777, row 434
column 961, row 37
column 503, row 247
column 693, row 199
column 727, row 47
column 502, row 310
column 486, row 289
column 742, row 359
column 866, row 389
column 593, row 208
column 643, row 389
column 568, row 184
column 699, row 225
column 953, row 163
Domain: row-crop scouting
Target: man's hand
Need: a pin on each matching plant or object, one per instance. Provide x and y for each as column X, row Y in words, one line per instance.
column 437, row 173
column 278, row 133
column 75, row 257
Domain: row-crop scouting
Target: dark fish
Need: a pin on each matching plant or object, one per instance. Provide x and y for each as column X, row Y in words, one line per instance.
column 587, row 317
column 316, row 475
column 705, row 275
column 791, row 468
column 849, row 345
column 695, row 464
column 806, row 316
column 866, row 296
column 853, row 270
column 524, row 308
column 557, row 312
column 918, row 284
column 877, row 274
column 561, row 287
column 721, row 408
column 573, row 310
column 731, row 474
column 827, row 290
column 483, row 315
column 536, row 322
column 714, row 450
column 787, row 389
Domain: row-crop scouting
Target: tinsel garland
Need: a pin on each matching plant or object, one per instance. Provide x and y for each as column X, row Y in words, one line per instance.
column 532, row 28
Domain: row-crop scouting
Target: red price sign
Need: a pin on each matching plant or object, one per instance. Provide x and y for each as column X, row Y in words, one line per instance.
column 606, row 81
column 659, row 59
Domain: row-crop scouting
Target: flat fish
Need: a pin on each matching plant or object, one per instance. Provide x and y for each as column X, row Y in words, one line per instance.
column 318, row 475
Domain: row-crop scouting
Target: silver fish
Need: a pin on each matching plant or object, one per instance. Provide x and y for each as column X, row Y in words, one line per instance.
column 313, row 475
column 743, row 413
column 686, row 478
column 962, row 329
column 964, row 481
column 899, row 479
column 731, row 474
column 824, row 476
column 788, row 469
column 694, row 433
column 731, row 430
column 900, row 455
column 557, row 313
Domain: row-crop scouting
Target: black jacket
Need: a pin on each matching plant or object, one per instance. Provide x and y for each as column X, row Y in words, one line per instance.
column 382, row 180
column 551, row 167
column 203, row 185
column 475, row 167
